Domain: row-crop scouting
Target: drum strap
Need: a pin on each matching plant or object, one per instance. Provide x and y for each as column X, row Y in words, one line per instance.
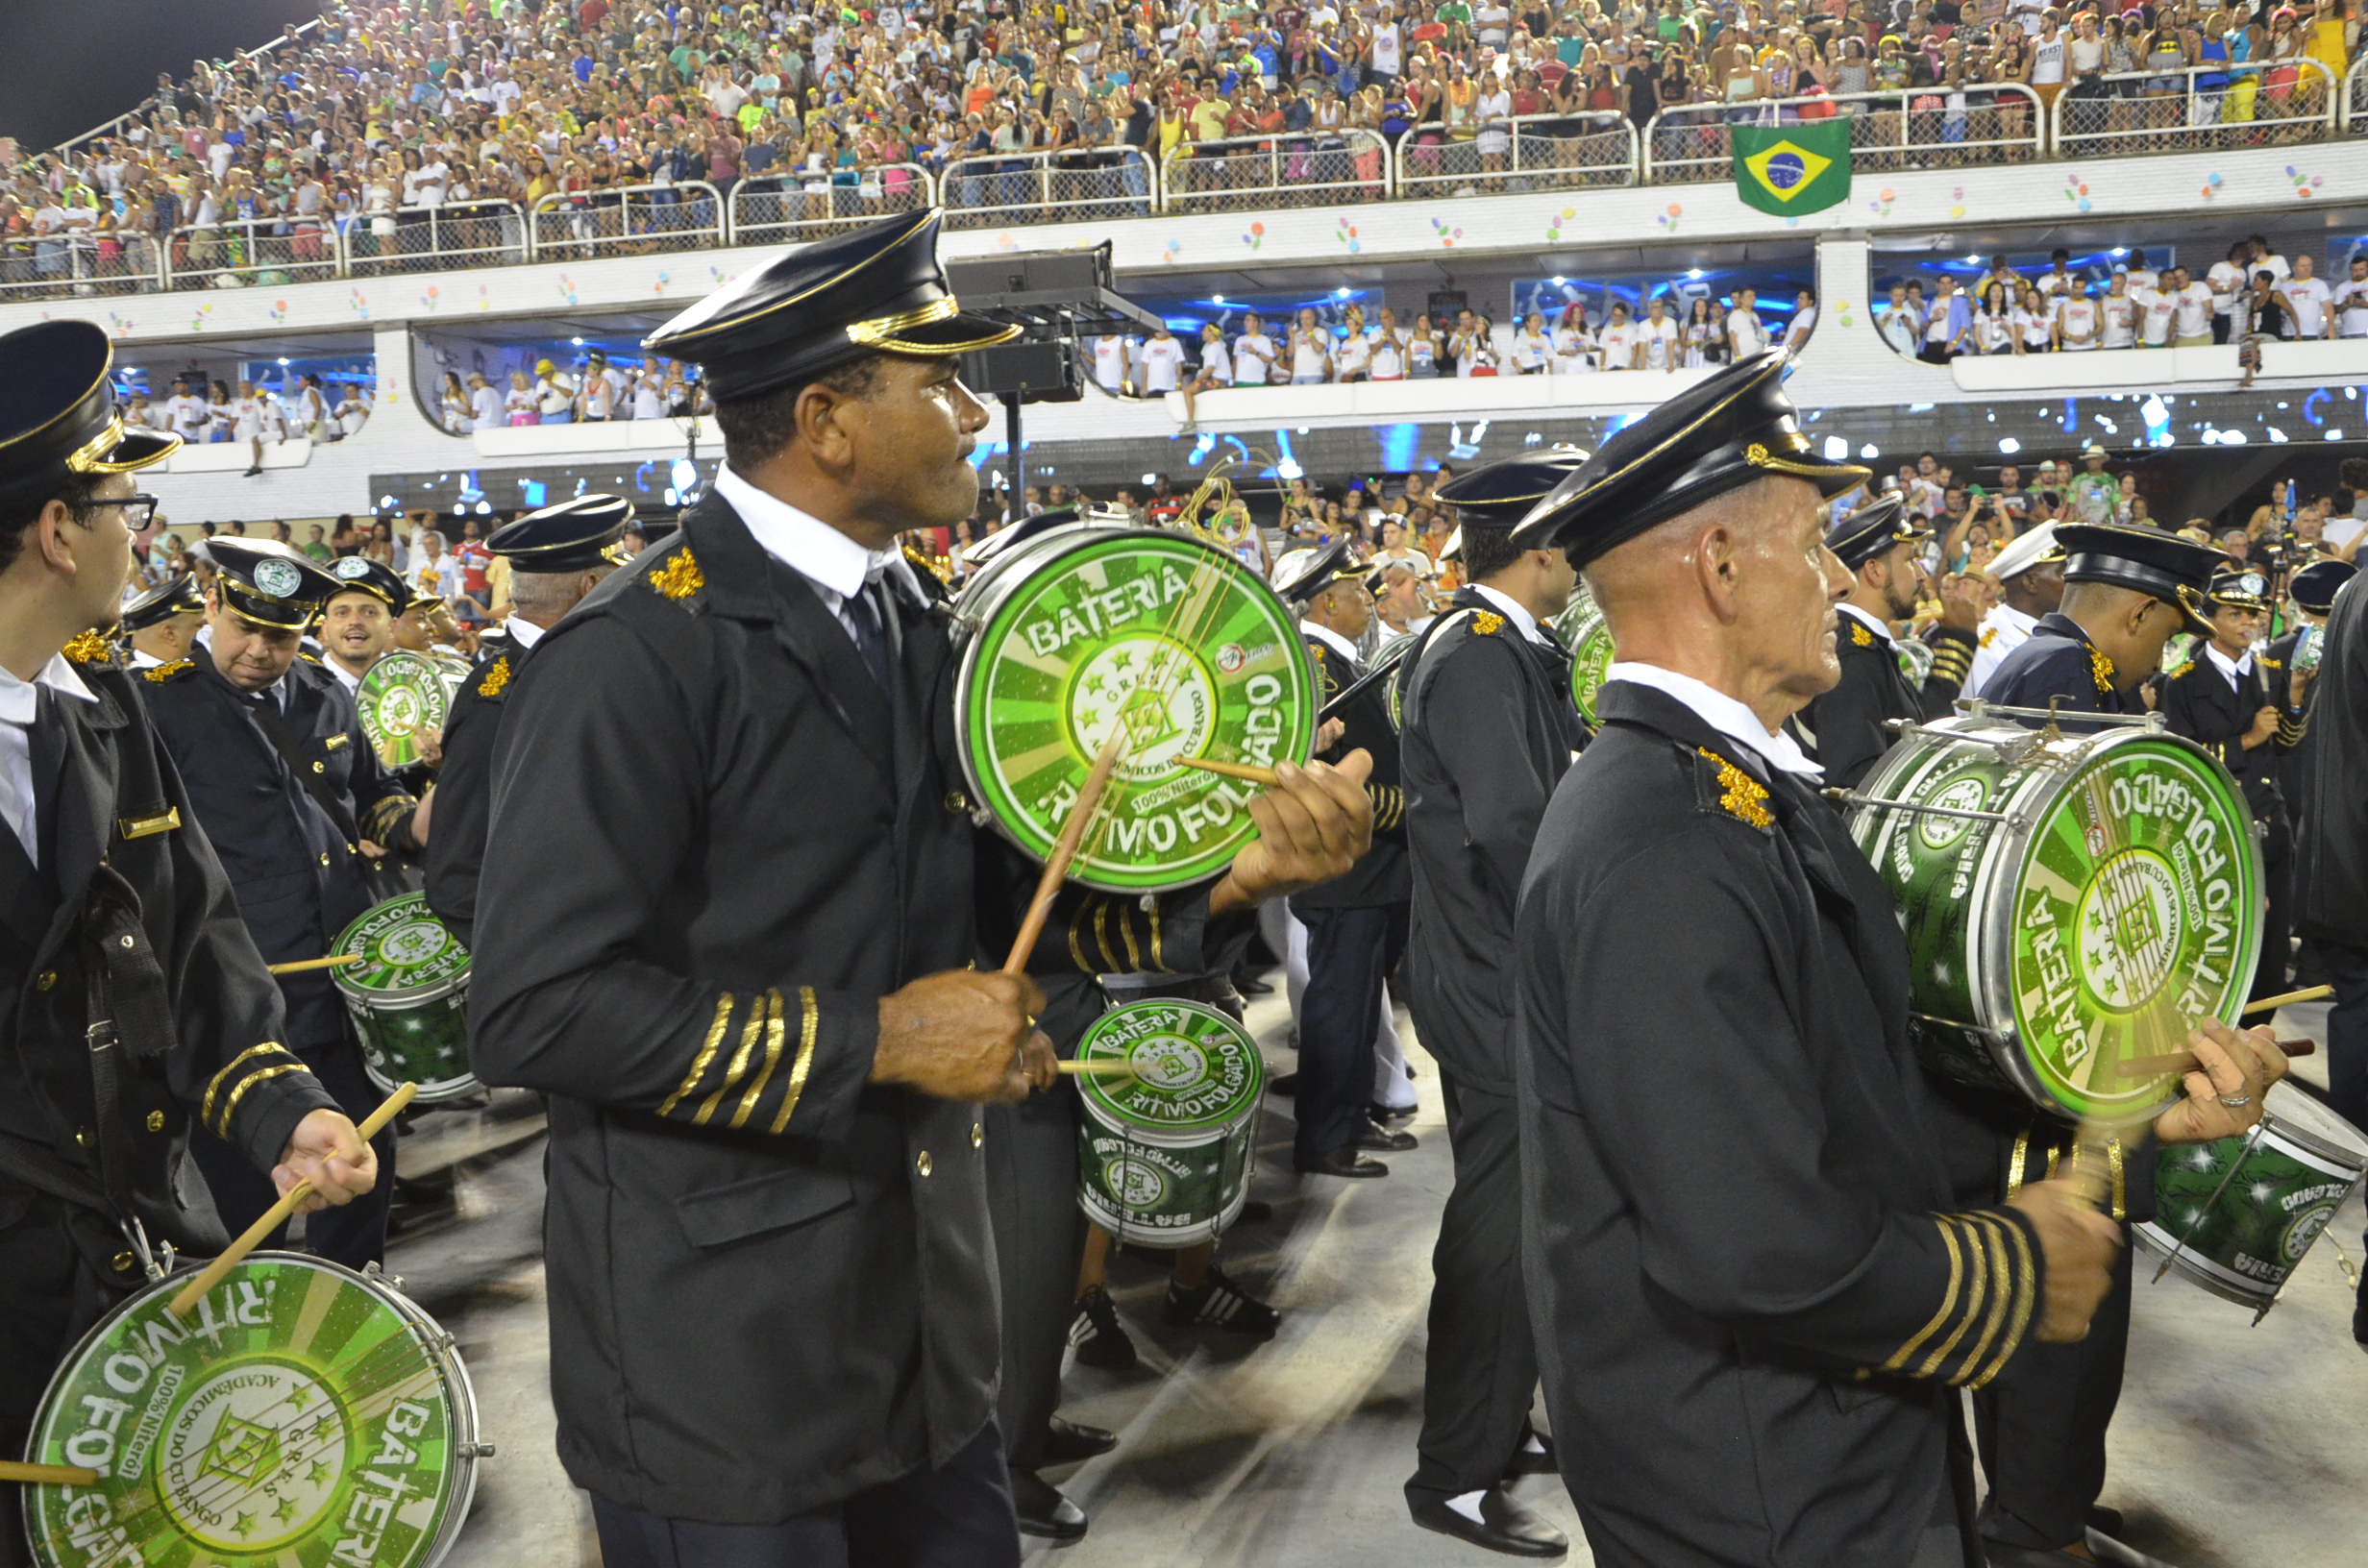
column 316, row 785
column 44, row 1173
column 128, row 1011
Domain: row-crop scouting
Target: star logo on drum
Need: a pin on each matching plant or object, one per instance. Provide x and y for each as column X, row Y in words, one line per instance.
column 241, row 1451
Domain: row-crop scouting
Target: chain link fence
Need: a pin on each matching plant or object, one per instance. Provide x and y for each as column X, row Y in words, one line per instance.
column 261, row 252
column 630, row 220
column 1922, row 127
column 1277, row 171
column 457, row 234
column 1537, row 151
column 78, row 266
column 1104, row 184
column 809, row 206
column 2209, row 108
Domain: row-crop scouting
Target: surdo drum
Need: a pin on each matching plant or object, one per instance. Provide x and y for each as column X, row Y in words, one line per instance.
column 408, row 998
column 1087, row 628
column 1164, row 1151
column 403, row 698
column 1584, row 633
column 2071, row 902
column 301, row 1416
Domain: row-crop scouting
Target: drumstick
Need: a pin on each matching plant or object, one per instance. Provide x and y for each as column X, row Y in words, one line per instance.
column 1064, row 850
column 48, row 1475
column 2184, row 1062
column 1109, row 1067
column 304, row 966
column 2292, row 999
column 1243, row 771
column 278, row 1213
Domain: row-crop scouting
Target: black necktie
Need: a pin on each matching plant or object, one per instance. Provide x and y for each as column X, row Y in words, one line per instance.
column 863, row 611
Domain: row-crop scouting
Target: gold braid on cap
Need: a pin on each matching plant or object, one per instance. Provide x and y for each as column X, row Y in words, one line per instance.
column 1759, row 456
column 882, row 332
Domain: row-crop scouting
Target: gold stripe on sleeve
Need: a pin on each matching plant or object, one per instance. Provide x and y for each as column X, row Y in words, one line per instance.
column 1977, row 1296
column 706, row 1054
column 229, row 1107
column 1988, row 1228
column 1101, row 936
column 205, row 1107
column 2025, row 1285
column 773, row 1031
column 808, row 1028
column 1948, row 1302
column 1159, row 960
column 749, row 1034
column 1126, row 934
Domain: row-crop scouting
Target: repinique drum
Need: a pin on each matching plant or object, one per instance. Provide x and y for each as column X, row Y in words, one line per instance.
column 408, row 998
column 1087, row 628
column 302, row 1414
column 1582, row 630
column 2236, row 1214
column 1164, row 1152
column 1915, row 658
column 1388, row 652
column 403, row 697
column 2070, row 902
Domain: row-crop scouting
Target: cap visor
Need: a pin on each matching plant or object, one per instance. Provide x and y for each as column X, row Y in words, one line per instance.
column 962, row 332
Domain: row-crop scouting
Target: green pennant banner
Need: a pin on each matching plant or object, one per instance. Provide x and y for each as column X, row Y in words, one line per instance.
column 1793, row 169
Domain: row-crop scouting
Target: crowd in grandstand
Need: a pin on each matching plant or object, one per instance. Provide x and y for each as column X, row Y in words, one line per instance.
column 552, row 392
column 202, row 411
column 2253, row 295
column 386, row 122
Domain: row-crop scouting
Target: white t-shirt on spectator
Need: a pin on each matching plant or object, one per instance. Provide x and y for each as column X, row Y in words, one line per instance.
column 1530, row 349
column 2308, row 298
column 1253, row 359
column 1162, row 357
column 1389, row 352
column 189, row 417
column 598, row 397
column 1617, row 345
column 1898, row 325
column 2351, row 308
column 648, row 394
column 1660, row 340
column 1803, row 323
column 1110, row 363
column 2032, row 326
column 2155, row 311
column 2226, row 281
column 1574, row 348
column 1354, row 357
column 2141, row 279
column 1384, row 55
column 1215, row 363
column 1993, row 331
column 2274, row 264
column 352, row 414
column 485, row 408
column 2120, row 315
column 2079, row 317
column 1747, row 334
column 2192, row 307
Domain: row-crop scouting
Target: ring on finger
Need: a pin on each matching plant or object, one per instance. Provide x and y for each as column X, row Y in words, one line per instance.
column 2236, row 1102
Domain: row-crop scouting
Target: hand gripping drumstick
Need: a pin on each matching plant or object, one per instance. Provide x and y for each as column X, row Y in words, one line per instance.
column 305, row 966
column 47, row 1474
column 1064, row 850
column 278, row 1213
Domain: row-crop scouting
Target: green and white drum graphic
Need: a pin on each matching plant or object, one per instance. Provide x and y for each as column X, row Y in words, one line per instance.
column 2236, row 1216
column 301, row 1416
column 2118, row 904
column 1582, row 630
column 1387, row 654
column 408, row 998
column 1087, row 630
column 1164, row 1152
column 402, row 698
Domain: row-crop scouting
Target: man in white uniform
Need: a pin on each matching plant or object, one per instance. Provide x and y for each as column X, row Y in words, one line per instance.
column 2032, row 568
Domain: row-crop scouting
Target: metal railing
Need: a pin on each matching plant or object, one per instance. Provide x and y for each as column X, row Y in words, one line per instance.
column 238, row 252
column 2355, row 97
column 809, row 204
column 78, row 266
column 1919, row 128
column 628, row 220
column 1302, row 168
column 454, row 234
column 2259, row 104
column 1079, row 184
column 1532, row 152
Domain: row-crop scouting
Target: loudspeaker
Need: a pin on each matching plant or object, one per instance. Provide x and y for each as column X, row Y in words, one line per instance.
column 986, row 279
column 1042, row 372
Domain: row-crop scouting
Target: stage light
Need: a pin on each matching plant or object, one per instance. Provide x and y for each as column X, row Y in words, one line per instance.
column 685, row 474
column 1837, row 450
column 1217, row 299
column 2008, row 445
column 1694, row 273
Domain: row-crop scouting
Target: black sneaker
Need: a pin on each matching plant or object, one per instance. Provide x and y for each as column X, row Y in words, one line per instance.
column 1097, row 1336
column 1220, row 1304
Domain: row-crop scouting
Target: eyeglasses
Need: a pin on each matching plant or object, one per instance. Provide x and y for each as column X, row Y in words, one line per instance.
column 138, row 510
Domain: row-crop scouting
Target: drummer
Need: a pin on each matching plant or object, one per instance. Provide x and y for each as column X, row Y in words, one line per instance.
column 161, row 624
column 2030, row 571
column 2126, row 592
column 1750, row 1303
column 556, row 555
column 103, row 876
column 283, row 781
column 1843, row 729
column 360, row 617
column 764, row 997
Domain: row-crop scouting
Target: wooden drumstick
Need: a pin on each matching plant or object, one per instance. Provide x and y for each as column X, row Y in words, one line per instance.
column 278, row 1213
column 1064, row 850
column 48, row 1475
column 1243, row 771
column 1102, row 1067
column 2181, row 1063
column 305, row 966
column 2292, row 999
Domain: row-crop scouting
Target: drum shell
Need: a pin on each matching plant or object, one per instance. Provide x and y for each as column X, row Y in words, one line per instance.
column 1169, row 1185
column 1583, row 631
column 416, row 1034
column 2237, row 1214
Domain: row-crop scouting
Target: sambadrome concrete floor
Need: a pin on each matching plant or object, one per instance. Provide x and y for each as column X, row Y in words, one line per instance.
column 2235, row 1447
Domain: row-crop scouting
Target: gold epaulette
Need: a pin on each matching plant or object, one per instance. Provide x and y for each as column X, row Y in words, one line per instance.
column 1741, row 795
column 309, row 656
column 2266, row 662
column 2180, row 673
column 680, row 577
column 162, row 672
column 940, row 567
column 1860, row 636
column 89, row 648
column 1487, row 623
column 2101, row 666
column 495, row 677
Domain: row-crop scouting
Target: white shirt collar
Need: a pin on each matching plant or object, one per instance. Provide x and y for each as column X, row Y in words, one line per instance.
column 350, row 682
column 1340, row 645
column 1514, row 610
column 2236, row 670
column 805, row 544
column 1870, row 623
column 2014, row 620
column 523, row 631
column 19, row 700
column 1724, row 714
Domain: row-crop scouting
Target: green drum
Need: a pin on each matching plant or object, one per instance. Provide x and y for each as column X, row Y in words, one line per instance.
column 1164, row 1151
column 2236, row 1216
column 1087, row 628
column 1582, row 630
column 403, row 698
column 301, row 1416
column 409, row 997
column 2071, row 902
column 1387, row 654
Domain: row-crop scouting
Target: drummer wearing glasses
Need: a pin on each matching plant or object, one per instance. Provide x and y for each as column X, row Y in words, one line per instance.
column 1753, row 1290
column 735, row 920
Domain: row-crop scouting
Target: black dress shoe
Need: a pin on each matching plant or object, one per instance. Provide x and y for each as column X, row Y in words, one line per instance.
column 1070, row 1442
column 1249, row 986
column 2105, row 1520
column 1503, row 1525
column 1340, row 1162
column 1386, row 1114
column 1043, row 1510
column 1533, row 1461
column 1382, row 1141
column 1285, row 1084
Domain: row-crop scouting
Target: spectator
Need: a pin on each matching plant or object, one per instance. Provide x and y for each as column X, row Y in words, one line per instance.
column 2350, row 304
column 1215, row 370
column 2306, row 300
column 1746, row 334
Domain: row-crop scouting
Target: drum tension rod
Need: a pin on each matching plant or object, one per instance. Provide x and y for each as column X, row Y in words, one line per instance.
column 1851, row 797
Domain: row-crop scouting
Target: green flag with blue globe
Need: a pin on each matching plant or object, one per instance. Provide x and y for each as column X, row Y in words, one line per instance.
column 1793, row 169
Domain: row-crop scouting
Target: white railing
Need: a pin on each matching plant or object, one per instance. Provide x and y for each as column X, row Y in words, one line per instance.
column 1532, row 152
column 1919, row 128
column 808, row 204
column 1078, row 184
column 2355, row 97
column 629, row 220
column 440, row 238
column 238, row 252
column 78, row 266
column 1297, row 168
column 2259, row 104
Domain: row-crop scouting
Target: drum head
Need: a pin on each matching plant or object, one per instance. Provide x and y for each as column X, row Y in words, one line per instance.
column 404, row 698
column 301, row 1414
column 1582, row 630
column 1195, row 1071
column 1091, row 630
column 406, row 953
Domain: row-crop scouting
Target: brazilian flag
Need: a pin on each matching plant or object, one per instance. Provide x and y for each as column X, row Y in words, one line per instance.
column 1793, row 169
